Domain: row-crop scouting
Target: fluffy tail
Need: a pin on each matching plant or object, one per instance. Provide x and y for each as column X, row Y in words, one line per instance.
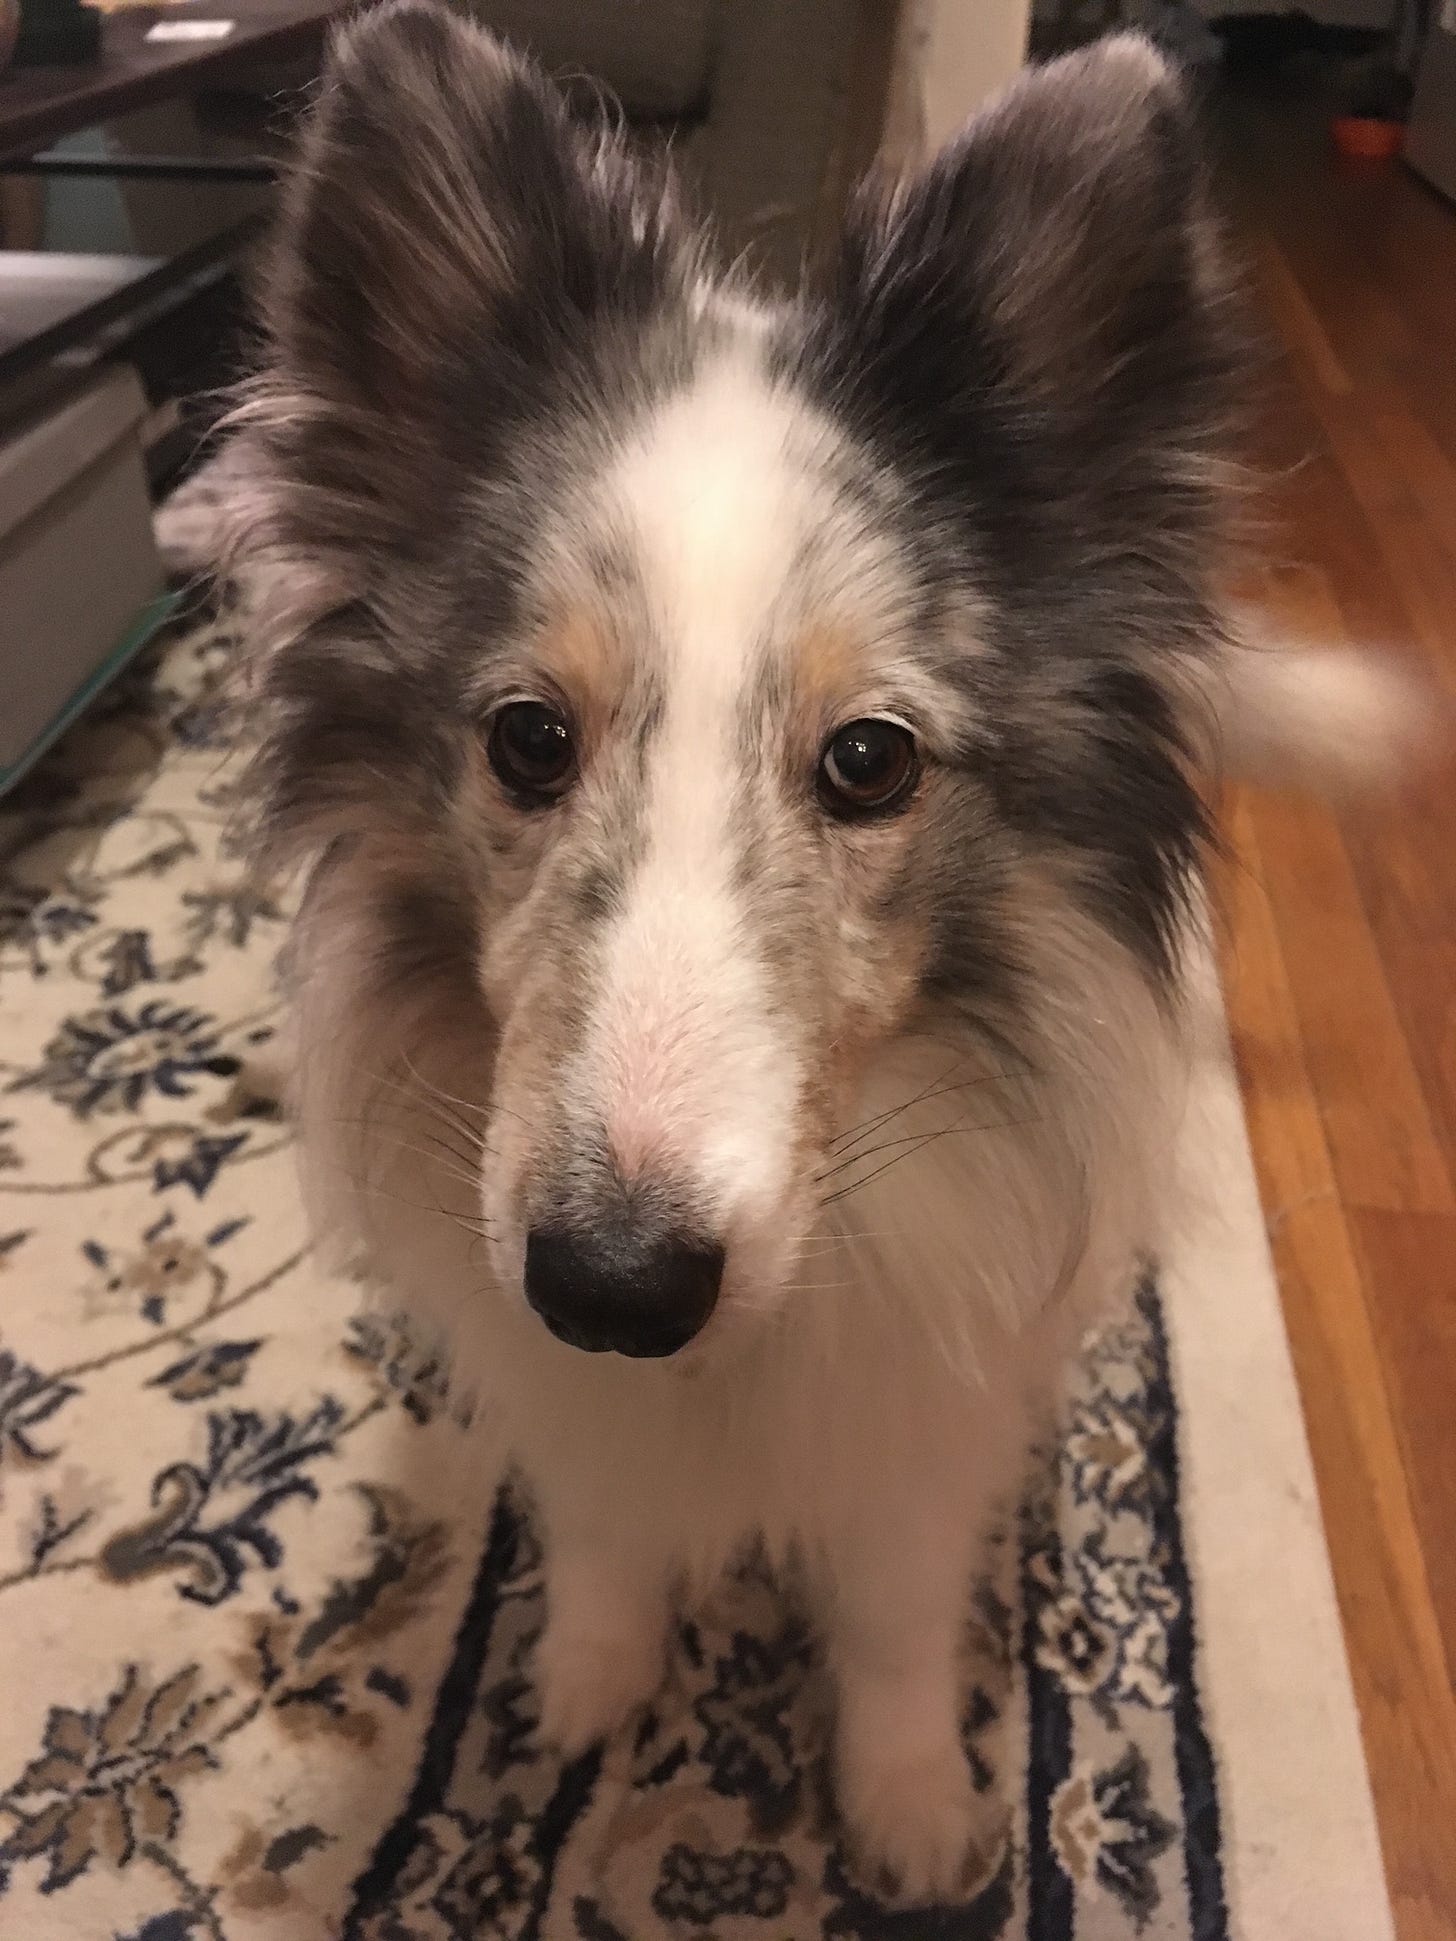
column 1335, row 720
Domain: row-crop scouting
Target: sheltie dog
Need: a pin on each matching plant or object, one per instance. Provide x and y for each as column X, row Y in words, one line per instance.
column 751, row 760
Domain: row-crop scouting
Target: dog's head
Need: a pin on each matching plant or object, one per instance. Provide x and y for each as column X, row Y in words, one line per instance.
column 701, row 696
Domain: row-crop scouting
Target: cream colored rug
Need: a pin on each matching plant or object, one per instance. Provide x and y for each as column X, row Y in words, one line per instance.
column 267, row 1626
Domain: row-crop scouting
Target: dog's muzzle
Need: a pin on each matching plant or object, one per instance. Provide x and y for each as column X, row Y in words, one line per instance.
column 644, row 1294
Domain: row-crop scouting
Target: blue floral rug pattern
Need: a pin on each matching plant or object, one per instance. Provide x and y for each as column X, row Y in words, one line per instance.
column 269, row 1620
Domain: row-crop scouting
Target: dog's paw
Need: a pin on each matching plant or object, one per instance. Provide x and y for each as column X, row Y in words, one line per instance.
column 918, row 1828
column 590, row 1686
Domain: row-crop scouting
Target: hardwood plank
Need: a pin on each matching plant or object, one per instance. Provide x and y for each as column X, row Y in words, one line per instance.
column 1402, row 1682
column 1415, row 559
column 1411, row 1257
column 1401, row 856
column 1313, row 515
column 1383, row 1143
column 1400, row 1670
column 1340, row 961
column 1290, row 1148
column 1426, row 466
column 1423, row 972
column 1299, row 322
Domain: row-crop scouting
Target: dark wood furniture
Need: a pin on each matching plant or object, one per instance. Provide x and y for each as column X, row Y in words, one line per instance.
column 97, row 303
column 40, row 104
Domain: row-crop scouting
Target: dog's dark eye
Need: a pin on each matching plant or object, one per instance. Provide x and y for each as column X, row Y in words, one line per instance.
column 530, row 749
column 867, row 765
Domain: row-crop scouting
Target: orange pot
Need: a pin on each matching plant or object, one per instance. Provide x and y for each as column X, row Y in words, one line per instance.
column 1365, row 139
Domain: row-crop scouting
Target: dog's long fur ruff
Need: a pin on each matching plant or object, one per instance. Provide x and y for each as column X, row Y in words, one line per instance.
column 917, row 1073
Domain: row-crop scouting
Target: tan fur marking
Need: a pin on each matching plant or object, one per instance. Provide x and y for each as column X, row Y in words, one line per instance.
column 828, row 670
column 577, row 649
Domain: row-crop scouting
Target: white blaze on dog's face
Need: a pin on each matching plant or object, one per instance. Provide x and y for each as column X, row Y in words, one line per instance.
column 689, row 1071
column 683, row 699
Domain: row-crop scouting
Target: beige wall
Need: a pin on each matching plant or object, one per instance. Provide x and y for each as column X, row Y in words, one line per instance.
column 951, row 54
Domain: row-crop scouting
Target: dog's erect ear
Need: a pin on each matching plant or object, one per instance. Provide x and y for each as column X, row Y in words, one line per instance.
column 445, row 206
column 1046, row 302
column 451, row 247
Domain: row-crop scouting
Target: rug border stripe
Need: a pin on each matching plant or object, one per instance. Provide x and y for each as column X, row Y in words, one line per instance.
column 454, row 1702
column 1198, row 1780
column 1050, row 1897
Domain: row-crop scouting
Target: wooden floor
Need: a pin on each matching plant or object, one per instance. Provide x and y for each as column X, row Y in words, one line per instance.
column 1340, row 954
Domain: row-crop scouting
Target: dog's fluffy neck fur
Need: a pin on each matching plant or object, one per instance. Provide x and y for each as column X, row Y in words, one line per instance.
column 931, row 1311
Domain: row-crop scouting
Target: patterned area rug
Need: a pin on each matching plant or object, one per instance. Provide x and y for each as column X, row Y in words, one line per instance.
column 268, row 1615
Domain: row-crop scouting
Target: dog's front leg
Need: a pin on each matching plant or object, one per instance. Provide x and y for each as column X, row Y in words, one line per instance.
column 601, row 1655
column 898, row 1590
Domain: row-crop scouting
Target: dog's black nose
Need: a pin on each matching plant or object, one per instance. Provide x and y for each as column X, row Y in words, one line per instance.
column 630, row 1294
